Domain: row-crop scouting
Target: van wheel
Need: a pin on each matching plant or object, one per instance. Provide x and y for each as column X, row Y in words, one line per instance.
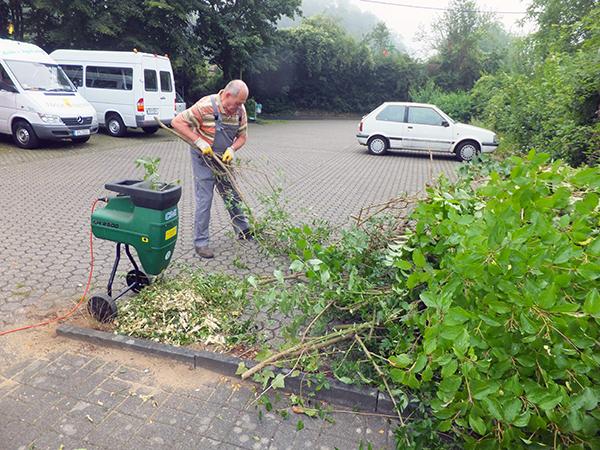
column 115, row 126
column 467, row 151
column 150, row 130
column 377, row 145
column 81, row 140
column 24, row 136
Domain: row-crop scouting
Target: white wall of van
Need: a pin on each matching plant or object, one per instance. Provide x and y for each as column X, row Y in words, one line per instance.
column 127, row 89
column 37, row 100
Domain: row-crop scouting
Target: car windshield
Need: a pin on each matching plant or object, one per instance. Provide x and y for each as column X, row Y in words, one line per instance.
column 34, row 76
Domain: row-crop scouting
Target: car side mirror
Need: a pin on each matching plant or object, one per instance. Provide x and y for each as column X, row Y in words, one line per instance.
column 445, row 123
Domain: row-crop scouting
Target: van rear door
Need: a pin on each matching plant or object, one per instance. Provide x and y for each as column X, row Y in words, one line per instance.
column 152, row 94
column 167, row 88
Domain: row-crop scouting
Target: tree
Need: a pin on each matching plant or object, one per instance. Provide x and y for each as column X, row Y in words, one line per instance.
column 230, row 32
column 458, row 62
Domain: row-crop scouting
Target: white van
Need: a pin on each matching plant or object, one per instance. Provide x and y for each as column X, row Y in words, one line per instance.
column 37, row 100
column 128, row 89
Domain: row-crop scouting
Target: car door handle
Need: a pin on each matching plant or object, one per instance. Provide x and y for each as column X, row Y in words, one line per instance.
column 410, row 128
column 163, row 98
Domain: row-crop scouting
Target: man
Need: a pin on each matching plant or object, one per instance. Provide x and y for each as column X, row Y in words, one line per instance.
column 217, row 125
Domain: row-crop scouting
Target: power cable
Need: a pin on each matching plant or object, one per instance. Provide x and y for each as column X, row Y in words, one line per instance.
column 434, row 8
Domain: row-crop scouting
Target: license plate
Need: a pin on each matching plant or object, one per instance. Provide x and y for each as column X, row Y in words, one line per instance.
column 152, row 111
column 85, row 132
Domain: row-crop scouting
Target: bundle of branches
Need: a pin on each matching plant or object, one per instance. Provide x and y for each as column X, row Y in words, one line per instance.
column 483, row 305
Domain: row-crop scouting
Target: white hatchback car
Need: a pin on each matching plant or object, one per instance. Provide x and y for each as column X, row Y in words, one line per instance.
column 419, row 126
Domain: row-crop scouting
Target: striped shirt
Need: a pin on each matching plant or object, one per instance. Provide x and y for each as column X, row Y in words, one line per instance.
column 201, row 118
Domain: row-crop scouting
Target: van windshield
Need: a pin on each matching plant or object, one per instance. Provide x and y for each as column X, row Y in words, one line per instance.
column 34, row 76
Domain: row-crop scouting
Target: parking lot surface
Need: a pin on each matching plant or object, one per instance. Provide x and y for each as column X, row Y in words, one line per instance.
column 46, row 197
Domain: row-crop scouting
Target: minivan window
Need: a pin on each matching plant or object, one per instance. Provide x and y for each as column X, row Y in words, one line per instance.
column 120, row 78
column 165, row 82
column 6, row 83
column 424, row 116
column 75, row 74
column 150, row 81
column 35, row 76
column 392, row 113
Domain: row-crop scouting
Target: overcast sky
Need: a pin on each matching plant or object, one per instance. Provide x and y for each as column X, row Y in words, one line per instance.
column 408, row 22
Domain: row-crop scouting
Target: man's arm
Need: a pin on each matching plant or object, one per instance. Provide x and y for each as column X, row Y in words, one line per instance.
column 239, row 142
column 182, row 126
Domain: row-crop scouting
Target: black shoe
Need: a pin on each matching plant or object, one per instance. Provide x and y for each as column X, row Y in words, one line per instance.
column 246, row 235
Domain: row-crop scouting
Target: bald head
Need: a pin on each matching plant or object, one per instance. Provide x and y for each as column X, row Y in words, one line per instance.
column 237, row 87
column 233, row 96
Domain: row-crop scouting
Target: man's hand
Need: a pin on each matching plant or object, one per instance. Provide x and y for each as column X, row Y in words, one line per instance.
column 204, row 147
column 229, row 155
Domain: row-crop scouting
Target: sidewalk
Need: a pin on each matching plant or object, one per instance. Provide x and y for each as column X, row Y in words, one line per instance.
column 71, row 395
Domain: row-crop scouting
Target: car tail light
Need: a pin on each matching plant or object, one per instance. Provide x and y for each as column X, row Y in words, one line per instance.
column 140, row 105
column 360, row 127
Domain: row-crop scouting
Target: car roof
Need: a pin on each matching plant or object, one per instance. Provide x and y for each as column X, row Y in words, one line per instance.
column 408, row 104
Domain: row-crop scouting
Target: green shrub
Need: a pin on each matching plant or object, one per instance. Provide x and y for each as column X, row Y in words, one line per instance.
column 456, row 104
column 486, row 314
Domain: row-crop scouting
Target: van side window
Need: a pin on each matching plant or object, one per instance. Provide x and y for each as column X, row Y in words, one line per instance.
column 6, row 83
column 165, row 82
column 75, row 74
column 150, row 81
column 120, row 78
column 424, row 116
column 392, row 113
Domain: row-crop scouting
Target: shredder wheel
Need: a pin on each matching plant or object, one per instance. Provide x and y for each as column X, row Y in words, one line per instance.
column 132, row 280
column 102, row 308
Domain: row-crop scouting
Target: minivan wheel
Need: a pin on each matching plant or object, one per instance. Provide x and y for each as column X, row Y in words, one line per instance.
column 115, row 126
column 24, row 136
column 377, row 145
column 467, row 151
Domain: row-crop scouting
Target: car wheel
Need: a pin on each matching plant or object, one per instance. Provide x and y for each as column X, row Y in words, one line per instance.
column 467, row 151
column 115, row 126
column 150, row 130
column 377, row 145
column 24, row 136
column 81, row 140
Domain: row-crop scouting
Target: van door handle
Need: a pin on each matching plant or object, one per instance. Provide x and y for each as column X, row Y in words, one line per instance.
column 163, row 98
column 410, row 128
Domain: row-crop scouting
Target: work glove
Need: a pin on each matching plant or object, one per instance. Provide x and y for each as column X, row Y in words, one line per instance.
column 204, row 147
column 229, row 155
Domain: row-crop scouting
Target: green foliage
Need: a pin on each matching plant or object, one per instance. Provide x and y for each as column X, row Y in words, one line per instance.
column 318, row 65
column 194, row 307
column 456, row 104
column 487, row 308
column 468, row 42
column 150, row 166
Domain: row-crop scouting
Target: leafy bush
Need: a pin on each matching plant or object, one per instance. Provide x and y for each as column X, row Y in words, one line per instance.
column 484, row 306
column 456, row 104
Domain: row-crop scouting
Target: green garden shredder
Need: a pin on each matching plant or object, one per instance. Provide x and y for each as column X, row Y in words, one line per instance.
column 145, row 219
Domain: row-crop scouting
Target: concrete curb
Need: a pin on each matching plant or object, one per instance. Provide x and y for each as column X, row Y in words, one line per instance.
column 359, row 398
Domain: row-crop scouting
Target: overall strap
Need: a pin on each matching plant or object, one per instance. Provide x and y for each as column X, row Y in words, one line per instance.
column 215, row 108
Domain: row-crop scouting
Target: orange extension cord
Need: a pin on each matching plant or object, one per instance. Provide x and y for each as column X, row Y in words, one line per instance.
column 76, row 307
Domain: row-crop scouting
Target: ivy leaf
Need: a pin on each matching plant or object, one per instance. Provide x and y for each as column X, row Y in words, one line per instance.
column 296, row 266
column 279, row 381
column 418, row 258
column 402, row 360
column 477, row 424
column 241, row 368
column 591, row 305
column 510, row 409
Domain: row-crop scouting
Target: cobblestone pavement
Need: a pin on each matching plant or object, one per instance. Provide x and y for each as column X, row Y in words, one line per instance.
column 46, row 196
column 80, row 396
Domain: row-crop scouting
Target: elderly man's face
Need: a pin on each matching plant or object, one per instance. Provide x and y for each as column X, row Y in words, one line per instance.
column 231, row 103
